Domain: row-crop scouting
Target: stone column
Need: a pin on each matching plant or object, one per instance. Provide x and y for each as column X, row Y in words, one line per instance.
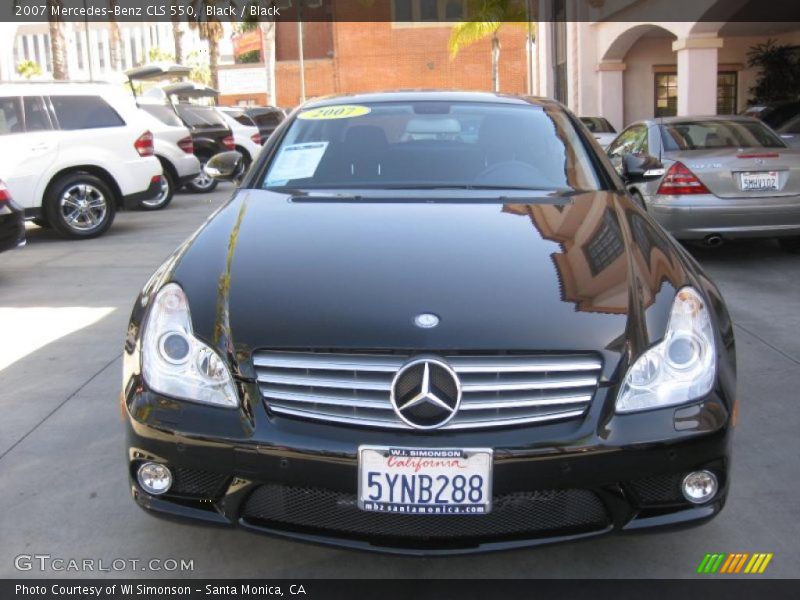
column 611, row 92
column 697, row 75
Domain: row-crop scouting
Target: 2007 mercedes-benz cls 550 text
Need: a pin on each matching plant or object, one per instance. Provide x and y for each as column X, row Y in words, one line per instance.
column 430, row 322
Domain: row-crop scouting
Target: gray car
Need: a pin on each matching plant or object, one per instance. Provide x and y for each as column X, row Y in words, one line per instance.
column 790, row 132
column 714, row 178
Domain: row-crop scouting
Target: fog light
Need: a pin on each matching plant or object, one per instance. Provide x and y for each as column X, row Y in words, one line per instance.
column 699, row 486
column 154, row 478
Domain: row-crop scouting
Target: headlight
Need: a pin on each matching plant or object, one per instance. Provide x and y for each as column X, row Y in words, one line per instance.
column 681, row 367
column 174, row 362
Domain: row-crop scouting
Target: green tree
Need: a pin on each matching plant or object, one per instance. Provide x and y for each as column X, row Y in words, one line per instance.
column 210, row 30
column 485, row 19
column 778, row 71
column 199, row 68
column 158, row 55
column 29, row 68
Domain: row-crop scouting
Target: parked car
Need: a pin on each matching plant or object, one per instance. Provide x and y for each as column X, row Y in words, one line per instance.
column 246, row 136
column 266, row 118
column 601, row 129
column 715, row 178
column 775, row 114
column 430, row 345
column 790, row 132
column 172, row 140
column 210, row 133
column 72, row 154
column 12, row 221
column 174, row 148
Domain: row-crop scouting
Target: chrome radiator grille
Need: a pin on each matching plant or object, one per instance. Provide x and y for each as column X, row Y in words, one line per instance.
column 499, row 390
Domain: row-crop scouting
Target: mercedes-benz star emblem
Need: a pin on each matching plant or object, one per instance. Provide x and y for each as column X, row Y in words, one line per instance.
column 426, row 320
column 426, row 393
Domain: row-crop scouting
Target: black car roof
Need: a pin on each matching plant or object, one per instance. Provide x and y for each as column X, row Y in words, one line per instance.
column 430, row 95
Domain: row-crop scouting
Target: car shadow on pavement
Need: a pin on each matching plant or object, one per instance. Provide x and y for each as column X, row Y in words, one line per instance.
column 740, row 251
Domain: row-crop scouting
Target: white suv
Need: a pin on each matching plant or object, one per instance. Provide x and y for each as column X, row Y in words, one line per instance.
column 246, row 135
column 174, row 148
column 72, row 154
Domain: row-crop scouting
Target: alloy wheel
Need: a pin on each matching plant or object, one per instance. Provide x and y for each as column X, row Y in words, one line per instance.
column 203, row 180
column 83, row 207
column 163, row 194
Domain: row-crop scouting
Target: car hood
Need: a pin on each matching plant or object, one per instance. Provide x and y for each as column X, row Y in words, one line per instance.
column 585, row 273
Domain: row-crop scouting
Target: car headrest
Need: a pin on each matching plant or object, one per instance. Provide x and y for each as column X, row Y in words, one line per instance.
column 365, row 140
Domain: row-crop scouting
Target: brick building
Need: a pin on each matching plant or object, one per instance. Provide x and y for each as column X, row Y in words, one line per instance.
column 347, row 56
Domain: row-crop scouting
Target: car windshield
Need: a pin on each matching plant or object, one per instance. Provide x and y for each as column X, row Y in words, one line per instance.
column 432, row 144
column 704, row 135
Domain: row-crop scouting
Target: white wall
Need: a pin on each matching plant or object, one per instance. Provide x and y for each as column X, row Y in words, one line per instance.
column 639, row 80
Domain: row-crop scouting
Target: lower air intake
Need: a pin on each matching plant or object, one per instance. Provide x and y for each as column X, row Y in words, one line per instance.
column 519, row 515
column 658, row 490
column 196, row 484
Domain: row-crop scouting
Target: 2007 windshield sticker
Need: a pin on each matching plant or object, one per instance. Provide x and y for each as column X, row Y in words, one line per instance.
column 342, row 111
column 296, row 161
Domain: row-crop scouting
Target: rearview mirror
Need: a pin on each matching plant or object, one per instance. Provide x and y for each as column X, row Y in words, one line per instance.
column 226, row 166
column 641, row 167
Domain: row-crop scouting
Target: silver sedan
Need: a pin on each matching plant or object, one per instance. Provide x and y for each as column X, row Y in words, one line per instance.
column 722, row 178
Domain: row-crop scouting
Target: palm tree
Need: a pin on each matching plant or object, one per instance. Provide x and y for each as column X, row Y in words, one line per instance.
column 486, row 19
column 58, row 48
column 211, row 31
column 177, row 36
column 114, row 39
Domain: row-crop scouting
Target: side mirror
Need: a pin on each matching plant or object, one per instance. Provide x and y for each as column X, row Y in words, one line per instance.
column 226, row 166
column 637, row 167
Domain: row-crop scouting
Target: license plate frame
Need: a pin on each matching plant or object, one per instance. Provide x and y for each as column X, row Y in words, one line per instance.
column 474, row 461
column 746, row 176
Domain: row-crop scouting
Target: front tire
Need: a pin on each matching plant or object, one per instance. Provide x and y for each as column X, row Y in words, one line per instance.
column 80, row 206
column 203, row 183
column 790, row 244
column 165, row 194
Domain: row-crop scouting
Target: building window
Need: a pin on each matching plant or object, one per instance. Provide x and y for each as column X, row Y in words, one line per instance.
column 453, row 10
column 48, row 53
column 727, row 83
column 666, row 95
column 79, row 50
column 402, row 10
column 101, row 54
column 560, row 50
column 428, row 10
column 605, row 246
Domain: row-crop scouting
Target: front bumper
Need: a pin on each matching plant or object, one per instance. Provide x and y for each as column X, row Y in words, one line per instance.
column 551, row 483
column 696, row 217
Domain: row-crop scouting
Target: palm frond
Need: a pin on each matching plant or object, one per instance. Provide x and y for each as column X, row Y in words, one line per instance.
column 485, row 18
column 469, row 32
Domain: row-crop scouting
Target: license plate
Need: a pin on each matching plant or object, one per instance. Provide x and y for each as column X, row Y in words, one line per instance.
column 425, row 481
column 764, row 181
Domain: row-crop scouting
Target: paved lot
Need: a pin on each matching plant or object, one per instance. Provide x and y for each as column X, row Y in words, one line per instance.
column 63, row 488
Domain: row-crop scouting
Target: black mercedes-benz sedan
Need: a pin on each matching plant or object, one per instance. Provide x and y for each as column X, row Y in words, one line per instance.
column 431, row 322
